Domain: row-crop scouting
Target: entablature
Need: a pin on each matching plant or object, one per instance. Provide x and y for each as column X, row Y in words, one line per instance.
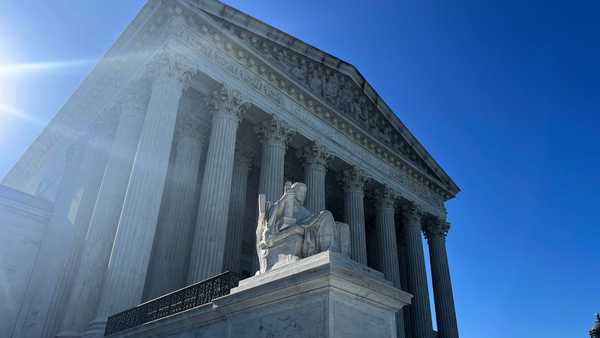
column 336, row 84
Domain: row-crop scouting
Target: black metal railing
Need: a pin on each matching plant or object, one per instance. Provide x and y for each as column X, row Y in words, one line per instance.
column 184, row 299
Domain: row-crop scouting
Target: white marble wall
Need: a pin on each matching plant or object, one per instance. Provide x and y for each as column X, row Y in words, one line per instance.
column 23, row 220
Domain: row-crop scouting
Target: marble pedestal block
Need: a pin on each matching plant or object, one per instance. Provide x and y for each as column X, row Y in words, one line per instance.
column 325, row 295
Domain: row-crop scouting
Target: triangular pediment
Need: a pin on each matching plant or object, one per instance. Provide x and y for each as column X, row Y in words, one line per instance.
column 334, row 82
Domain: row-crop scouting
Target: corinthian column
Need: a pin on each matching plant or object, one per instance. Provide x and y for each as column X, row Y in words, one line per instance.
column 84, row 295
column 92, row 167
column 172, row 244
column 208, row 248
column 315, row 167
column 124, row 282
column 385, row 228
column 237, row 210
column 436, row 231
column 56, row 247
column 420, row 311
column 354, row 210
column 274, row 135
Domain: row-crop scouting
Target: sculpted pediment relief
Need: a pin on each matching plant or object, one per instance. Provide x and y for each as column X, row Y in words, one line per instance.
column 332, row 86
column 328, row 89
column 335, row 88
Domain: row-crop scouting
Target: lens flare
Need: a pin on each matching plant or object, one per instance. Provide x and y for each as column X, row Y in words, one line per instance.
column 7, row 110
column 19, row 68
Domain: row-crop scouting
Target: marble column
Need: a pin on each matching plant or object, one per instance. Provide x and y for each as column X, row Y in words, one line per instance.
column 58, row 242
column 403, row 276
column 436, row 231
column 87, row 284
column 124, row 282
column 208, row 248
column 93, row 163
column 354, row 210
column 315, row 158
column 274, row 135
column 420, row 311
column 237, row 210
column 385, row 229
column 172, row 244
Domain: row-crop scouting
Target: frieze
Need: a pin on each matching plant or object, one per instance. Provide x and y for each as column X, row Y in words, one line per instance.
column 240, row 73
column 336, row 88
column 242, row 65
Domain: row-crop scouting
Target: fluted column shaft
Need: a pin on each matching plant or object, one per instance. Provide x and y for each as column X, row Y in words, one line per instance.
column 172, row 244
column 442, row 285
column 124, row 282
column 315, row 168
column 354, row 211
column 403, row 279
column 87, row 285
column 92, row 167
column 208, row 248
column 385, row 228
column 53, row 255
column 274, row 136
column 237, row 210
column 420, row 310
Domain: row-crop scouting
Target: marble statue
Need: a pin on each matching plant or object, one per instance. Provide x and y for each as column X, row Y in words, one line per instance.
column 287, row 231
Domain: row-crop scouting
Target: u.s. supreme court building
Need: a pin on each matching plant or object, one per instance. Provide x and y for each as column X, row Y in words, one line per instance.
column 147, row 181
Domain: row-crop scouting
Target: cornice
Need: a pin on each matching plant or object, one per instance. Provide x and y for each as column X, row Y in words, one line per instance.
column 237, row 49
column 205, row 41
column 232, row 17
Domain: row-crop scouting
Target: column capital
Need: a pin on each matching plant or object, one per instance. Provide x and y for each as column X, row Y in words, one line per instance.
column 412, row 214
column 227, row 102
column 354, row 179
column 244, row 156
column 275, row 131
column 435, row 227
column 76, row 150
column 168, row 65
column 133, row 101
column 190, row 123
column 315, row 153
column 385, row 197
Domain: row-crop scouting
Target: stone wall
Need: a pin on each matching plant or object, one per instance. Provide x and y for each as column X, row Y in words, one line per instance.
column 23, row 219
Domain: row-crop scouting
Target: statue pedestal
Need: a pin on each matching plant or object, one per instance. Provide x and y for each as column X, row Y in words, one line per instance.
column 325, row 295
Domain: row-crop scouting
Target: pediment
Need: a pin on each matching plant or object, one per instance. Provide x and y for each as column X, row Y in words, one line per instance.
column 334, row 82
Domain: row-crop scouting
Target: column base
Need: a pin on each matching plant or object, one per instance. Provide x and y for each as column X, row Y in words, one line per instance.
column 96, row 329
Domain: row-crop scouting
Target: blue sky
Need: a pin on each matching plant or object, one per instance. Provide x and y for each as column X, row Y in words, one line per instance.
column 504, row 94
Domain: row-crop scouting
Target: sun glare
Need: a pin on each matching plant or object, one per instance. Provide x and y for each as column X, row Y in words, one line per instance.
column 20, row 68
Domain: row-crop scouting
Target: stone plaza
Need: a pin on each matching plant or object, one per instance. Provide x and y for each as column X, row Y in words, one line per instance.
column 148, row 180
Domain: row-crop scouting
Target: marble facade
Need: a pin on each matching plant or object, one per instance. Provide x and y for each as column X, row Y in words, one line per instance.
column 155, row 164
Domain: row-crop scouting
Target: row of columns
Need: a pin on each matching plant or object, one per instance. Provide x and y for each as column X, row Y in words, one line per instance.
column 121, row 238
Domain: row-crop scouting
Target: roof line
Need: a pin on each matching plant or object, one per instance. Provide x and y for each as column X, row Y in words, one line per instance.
column 257, row 26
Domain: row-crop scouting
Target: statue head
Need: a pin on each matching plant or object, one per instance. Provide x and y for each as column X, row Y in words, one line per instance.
column 300, row 192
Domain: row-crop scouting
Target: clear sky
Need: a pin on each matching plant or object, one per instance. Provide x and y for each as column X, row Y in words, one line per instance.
column 504, row 94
